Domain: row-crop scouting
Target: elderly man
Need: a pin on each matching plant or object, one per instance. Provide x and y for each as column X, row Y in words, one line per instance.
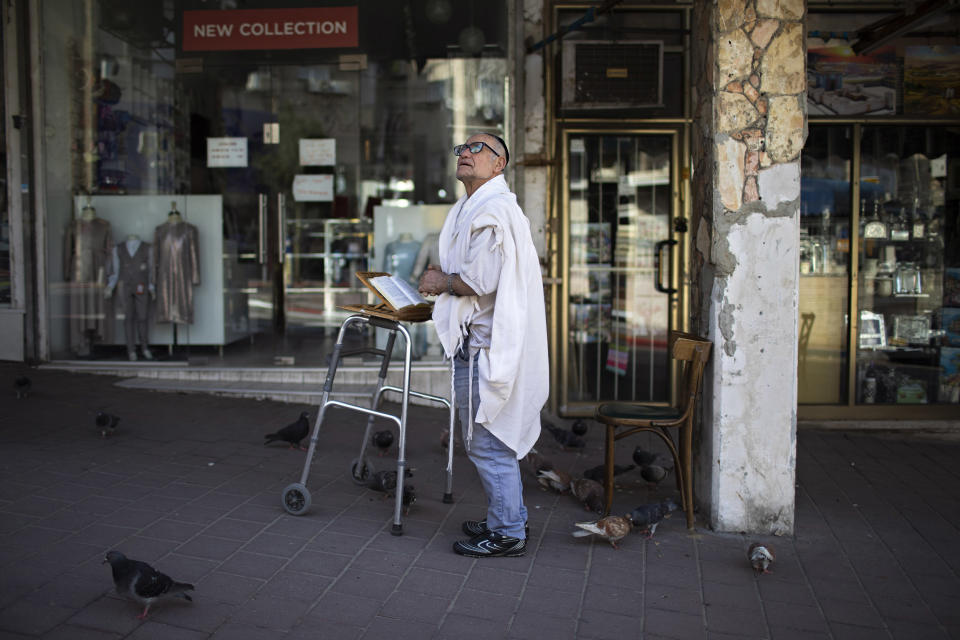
column 491, row 321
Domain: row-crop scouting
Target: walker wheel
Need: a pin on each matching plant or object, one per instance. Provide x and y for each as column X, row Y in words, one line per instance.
column 296, row 499
column 361, row 470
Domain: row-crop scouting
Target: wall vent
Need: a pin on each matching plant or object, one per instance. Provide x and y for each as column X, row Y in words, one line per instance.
column 612, row 75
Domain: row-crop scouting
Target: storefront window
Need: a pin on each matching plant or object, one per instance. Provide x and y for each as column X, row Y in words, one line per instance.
column 908, row 345
column 824, row 265
column 257, row 174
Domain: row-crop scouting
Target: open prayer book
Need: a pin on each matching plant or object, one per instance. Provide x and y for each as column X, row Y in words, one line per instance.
column 400, row 300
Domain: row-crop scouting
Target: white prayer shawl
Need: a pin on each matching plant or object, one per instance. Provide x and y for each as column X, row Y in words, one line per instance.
column 514, row 371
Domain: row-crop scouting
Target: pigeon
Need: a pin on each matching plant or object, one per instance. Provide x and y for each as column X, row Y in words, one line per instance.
column 761, row 557
column 645, row 458
column 292, row 433
column 599, row 472
column 106, row 423
column 142, row 583
column 386, row 480
column 538, row 462
column 555, row 479
column 382, row 440
column 567, row 439
column 653, row 473
column 648, row 516
column 589, row 492
column 409, row 497
column 21, row 385
column 611, row 528
column 579, row 427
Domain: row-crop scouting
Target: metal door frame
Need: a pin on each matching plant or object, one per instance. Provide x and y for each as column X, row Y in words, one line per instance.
column 678, row 280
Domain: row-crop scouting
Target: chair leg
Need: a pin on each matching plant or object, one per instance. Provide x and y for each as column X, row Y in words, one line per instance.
column 686, row 453
column 608, row 472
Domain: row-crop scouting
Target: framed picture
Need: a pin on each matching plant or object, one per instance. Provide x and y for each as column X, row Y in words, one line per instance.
column 871, row 333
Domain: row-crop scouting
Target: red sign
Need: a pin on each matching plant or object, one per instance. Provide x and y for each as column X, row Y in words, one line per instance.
column 242, row 29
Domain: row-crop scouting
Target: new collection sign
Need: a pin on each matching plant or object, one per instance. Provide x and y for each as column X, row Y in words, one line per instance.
column 245, row 29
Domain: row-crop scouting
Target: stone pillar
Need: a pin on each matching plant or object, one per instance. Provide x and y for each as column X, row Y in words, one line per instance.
column 750, row 125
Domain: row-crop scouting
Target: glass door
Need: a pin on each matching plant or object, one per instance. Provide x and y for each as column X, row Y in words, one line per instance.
column 289, row 212
column 620, row 276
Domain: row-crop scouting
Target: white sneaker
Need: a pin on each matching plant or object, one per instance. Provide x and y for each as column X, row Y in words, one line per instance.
column 146, row 353
column 132, row 356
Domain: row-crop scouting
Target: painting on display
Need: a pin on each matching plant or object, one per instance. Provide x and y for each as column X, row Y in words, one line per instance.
column 842, row 83
column 931, row 80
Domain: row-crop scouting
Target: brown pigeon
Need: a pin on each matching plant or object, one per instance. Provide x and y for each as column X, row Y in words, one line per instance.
column 555, row 479
column 611, row 528
column 589, row 492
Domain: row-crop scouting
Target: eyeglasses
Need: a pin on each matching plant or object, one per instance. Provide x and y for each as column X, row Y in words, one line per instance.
column 475, row 148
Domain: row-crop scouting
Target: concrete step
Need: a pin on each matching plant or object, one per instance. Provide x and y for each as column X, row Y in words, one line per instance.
column 301, row 385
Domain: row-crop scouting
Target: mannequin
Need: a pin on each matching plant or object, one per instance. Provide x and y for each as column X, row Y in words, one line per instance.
column 400, row 254
column 176, row 245
column 87, row 244
column 132, row 276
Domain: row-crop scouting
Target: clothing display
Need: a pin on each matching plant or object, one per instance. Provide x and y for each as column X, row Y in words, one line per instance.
column 399, row 256
column 132, row 278
column 176, row 244
column 87, row 244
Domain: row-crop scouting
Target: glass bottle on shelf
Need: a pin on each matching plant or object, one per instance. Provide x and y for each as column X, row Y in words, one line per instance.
column 899, row 230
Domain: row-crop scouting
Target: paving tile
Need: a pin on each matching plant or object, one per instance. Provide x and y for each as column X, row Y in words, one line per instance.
column 336, row 543
column 73, row 632
column 254, row 565
column 167, row 529
column 431, row 582
column 210, row 547
column 794, row 616
column 267, row 612
column 33, row 618
column 864, row 615
column 547, row 600
column 416, row 606
column 366, row 583
column 325, row 564
column 394, row 564
column 736, row 620
column 482, row 604
column 152, row 630
column 557, row 578
column 236, row 631
column 673, row 598
column 227, row 587
column 841, row 631
column 272, row 544
column 325, row 631
column 532, row 625
column 393, row 629
column 614, row 599
column 343, row 608
column 601, row 625
column 495, row 580
column 456, row 626
column 295, row 585
column 111, row 614
column 672, row 624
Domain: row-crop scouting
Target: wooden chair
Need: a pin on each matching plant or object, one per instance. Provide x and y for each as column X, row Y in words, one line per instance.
column 627, row 418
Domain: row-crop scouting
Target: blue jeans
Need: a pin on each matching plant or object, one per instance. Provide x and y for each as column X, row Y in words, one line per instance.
column 496, row 463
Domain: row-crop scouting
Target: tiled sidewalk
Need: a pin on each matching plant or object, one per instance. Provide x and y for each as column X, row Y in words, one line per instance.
column 186, row 485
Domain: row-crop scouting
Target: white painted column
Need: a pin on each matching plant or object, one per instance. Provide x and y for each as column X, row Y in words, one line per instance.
column 751, row 98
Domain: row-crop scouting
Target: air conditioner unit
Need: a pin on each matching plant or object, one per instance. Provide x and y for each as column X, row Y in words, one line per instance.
column 600, row 74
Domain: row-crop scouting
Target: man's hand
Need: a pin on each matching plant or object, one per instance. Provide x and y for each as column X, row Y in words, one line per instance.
column 433, row 282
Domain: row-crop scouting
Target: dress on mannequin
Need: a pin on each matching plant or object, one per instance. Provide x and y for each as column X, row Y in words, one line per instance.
column 178, row 269
column 132, row 277
column 87, row 244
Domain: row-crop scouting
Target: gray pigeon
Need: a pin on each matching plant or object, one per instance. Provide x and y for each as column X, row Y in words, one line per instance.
column 142, row 583
column 599, row 472
column 653, row 473
column 761, row 557
column 292, row 433
column 106, row 423
column 21, row 385
column 646, row 517
column 567, row 439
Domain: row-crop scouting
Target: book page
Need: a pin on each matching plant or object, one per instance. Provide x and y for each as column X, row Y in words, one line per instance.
column 397, row 292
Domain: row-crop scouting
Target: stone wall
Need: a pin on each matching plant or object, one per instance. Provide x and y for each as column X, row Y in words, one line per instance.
column 750, row 126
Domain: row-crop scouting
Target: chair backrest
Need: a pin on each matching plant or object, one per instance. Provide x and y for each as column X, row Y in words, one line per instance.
column 692, row 352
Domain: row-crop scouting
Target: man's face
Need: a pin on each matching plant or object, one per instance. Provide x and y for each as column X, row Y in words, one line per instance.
column 479, row 166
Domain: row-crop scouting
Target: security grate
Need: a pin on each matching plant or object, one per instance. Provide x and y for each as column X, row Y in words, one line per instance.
column 612, row 74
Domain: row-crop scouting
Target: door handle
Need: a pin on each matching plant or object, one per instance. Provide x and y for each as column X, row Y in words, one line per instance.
column 281, row 227
column 658, row 266
column 261, row 228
